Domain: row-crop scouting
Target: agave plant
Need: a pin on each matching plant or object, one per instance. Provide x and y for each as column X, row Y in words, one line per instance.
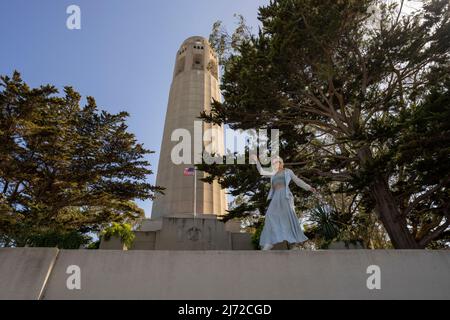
column 327, row 226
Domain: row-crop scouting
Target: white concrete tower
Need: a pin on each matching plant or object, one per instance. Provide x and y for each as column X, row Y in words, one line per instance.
column 195, row 82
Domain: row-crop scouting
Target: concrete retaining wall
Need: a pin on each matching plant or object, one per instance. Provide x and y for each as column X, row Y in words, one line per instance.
column 24, row 271
column 211, row 274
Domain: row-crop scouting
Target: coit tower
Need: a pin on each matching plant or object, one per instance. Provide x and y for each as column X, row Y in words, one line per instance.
column 195, row 83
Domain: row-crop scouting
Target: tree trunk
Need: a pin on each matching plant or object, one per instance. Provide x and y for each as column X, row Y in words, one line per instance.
column 387, row 209
column 389, row 214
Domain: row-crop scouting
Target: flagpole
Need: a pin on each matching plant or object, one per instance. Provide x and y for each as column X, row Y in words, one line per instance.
column 195, row 192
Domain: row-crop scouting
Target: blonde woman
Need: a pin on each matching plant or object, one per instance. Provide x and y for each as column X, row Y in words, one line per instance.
column 281, row 222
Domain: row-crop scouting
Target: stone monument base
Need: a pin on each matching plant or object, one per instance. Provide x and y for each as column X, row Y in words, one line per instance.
column 186, row 232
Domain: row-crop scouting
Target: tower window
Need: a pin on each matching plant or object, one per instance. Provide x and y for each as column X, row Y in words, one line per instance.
column 180, row 65
column 182, row 50
column 197, row 63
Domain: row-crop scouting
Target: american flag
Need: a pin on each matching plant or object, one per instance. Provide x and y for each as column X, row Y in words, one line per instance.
column 188, row 171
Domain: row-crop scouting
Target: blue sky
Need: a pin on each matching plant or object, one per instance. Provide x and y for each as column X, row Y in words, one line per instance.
column 123, row 55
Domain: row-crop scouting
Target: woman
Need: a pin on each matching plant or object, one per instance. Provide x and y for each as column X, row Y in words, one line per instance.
column 281, row 222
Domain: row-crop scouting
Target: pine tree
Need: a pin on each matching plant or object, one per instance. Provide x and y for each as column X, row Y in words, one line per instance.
column 65, row 168
column 360, row 93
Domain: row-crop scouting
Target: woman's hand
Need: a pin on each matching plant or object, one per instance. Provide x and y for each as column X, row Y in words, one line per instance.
column 317, row 194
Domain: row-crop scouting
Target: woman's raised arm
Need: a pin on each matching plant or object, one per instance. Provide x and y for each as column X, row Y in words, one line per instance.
column 261, row 170
column 300, row 182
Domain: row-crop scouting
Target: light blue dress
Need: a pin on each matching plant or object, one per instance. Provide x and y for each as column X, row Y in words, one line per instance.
column 281, row 222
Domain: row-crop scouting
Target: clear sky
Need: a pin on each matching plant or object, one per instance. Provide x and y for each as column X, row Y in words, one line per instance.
column 123, row 55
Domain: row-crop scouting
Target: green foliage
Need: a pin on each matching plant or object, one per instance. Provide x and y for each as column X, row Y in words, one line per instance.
column 122, row 230
column 362, row 103
column 94, row 245
column 327, row 227
column 257, row 234
column 358, row 228
column 64, row 167
column 62, row 240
